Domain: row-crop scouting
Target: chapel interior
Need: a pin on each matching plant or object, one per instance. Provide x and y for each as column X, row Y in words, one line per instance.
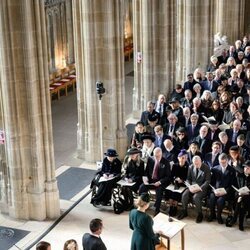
column 53, row 122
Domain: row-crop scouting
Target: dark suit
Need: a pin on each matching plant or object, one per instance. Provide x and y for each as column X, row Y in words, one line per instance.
column 166, row 128
column 222, row 180
column 163, row 175
column 203, row 180
column 204, row 144
column 215, row 135
column 91, row 242
column 208, row 160
column 159, row 142
column 144, row 116
column 192, row 133
column 230, row 133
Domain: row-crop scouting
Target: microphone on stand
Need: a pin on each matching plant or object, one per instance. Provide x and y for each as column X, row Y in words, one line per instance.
column 170, row 219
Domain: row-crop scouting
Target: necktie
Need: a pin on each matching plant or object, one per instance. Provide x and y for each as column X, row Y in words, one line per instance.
column 155, row 171
column 197, row 172
column 161, row 109
column 159, row 141
column 223, row 170
column 171, row 128
column 234, row 136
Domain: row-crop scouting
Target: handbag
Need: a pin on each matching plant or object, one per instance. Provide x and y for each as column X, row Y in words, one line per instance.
column 161, row 246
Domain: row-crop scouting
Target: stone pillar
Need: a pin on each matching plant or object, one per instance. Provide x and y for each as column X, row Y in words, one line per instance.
column 194, row 35
column 33, row 192
column 154, row 27
column 99, row 34
column 70, row 34
column 230, row 16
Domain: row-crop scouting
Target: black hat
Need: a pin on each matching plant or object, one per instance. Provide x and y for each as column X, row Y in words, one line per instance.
column 174, row 99
column 182, row 152
column 152, row 117
column 212, row 122
column 146, row 136
column 145, row 197
column 247, row 163
column 133, row 151
column 111, row 153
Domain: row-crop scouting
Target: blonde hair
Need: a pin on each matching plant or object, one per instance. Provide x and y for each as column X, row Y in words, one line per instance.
column 140, row 203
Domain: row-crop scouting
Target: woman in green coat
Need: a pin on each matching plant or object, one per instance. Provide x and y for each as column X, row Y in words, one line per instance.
column 143, row 237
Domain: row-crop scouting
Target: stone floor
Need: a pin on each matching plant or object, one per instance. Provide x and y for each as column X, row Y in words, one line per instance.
column 116, row 233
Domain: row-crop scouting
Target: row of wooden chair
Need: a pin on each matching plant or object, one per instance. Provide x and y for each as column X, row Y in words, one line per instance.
column 62, row 80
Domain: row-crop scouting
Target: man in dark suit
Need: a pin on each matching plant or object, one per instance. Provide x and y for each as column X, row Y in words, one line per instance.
column 223, row 176
column 158, row 175
column 93, row 241
column 225, row 143
column 235, row 131
column 203, row 141
column 189, row 84
column 209, row 83
column 172, row 125
column 160, row 137
column 193, row 128
column 212, row 158
column 198, row 173
column 150, row 111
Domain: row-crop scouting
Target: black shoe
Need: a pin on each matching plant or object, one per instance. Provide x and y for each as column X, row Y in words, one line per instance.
column 211, row 217
column 199, row 218
column 103, row 203
column 241, row 228
column 182, row 215
column 96, row 203
column 219, row 219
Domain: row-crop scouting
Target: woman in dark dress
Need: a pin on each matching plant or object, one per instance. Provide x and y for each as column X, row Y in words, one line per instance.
column 111, row 172
column 143, row 237
column 178, row 176
column 133, row 167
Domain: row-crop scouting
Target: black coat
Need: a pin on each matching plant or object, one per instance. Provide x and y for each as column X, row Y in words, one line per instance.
column 91, row 242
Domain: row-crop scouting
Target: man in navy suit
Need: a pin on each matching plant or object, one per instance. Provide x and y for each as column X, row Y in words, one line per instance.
column 160, row 137
column 150, row 111
column 93, row 241
column 198, row 173
column 212, row 158
column 223, row 176
column 235, row 131
column 203, row 141
column 193, row 128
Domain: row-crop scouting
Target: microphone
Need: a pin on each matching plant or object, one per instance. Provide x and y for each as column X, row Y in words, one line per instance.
column 170, row 219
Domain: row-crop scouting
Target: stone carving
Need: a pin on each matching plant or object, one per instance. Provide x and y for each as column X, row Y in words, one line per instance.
column 220, row 44
column 52, row 2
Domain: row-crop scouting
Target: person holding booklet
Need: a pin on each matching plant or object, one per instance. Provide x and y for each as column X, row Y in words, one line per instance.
column 157, row 176
column 109, row 175
column 243, row 198
column 198, row 180
column 177, row 186
column 223, row 177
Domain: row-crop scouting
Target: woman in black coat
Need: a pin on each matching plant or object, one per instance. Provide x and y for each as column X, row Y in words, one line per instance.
column 107, row 178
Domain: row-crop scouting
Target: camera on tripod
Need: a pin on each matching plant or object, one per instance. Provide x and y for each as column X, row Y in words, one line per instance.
column 99, row 88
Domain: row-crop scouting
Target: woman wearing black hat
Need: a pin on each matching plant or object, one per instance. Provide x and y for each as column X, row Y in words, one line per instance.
column 143, row 237
column 110, row 173
column 133, row 168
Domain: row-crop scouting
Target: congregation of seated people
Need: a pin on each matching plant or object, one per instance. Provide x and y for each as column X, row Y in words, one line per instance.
column 198, row 135
column 207, row 116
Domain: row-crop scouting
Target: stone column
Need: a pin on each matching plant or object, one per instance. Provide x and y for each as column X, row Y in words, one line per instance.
column 99, row 34
column 27, row 111
column 194, row 35
column 70, row 34
column 154, row 36
column 230, row 16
